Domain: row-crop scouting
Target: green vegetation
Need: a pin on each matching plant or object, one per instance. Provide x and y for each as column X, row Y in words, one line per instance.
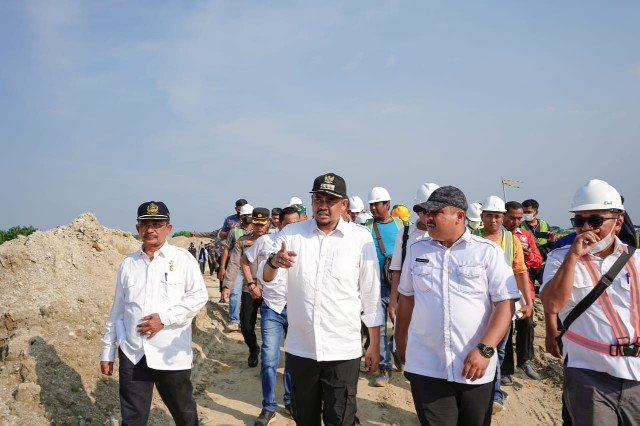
column 13, row 233
column 181, row 234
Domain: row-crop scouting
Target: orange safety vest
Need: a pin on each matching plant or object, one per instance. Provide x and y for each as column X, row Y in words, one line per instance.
column 624, row 346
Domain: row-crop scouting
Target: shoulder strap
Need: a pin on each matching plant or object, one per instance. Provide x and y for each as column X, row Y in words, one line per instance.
column 379, row 238
column 603, row 284
column 405, row 238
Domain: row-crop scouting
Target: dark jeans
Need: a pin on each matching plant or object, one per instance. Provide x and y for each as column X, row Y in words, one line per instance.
column 524, row 340
column 201, row 267
column 248, row 316
column 136, row 391
column 323, row 390
column 442, row 403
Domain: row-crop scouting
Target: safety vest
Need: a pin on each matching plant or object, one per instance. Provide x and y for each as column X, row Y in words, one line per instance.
column 506, row 244
column 238, row 232
column 543, row 227
column 624, row 345
column 399, row 223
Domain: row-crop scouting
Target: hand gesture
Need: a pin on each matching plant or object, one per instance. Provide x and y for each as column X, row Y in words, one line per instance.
column 150, row 325
column 283, row 258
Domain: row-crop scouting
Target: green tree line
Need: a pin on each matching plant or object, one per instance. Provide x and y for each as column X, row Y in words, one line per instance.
column 12, row 233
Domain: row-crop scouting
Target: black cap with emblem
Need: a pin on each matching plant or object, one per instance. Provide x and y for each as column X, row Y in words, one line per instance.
column 330, row 183
column 153, row 210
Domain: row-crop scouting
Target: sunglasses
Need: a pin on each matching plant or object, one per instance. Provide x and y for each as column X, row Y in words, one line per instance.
column 594, row 221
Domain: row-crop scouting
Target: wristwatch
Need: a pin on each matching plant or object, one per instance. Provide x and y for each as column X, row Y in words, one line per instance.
column 486, row 351
column 270, row 259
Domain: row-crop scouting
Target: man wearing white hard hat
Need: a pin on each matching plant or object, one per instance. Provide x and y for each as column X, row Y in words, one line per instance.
column 493, row 210
column 601, row 337
column 355, row 208
column 474, row 221
column 234, row 282
column 383, row 228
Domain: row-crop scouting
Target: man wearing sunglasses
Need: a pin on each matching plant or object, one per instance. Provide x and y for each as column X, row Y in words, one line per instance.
column 159, row 290
column 602, row 347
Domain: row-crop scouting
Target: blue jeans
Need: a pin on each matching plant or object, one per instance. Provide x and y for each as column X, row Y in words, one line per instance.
column 273, row 327
column 499, row 394
column 234, row 299
column 385, row 350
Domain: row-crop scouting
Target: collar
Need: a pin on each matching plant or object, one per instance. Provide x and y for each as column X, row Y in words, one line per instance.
column 313, row 227
column 161, row 251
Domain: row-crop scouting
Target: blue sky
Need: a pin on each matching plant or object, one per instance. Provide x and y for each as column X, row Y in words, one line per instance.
column 106, row 104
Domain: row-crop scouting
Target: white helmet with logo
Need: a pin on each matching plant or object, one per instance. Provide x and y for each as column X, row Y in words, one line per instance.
column 379, row 194
column 246, row 209
column 596, row 195
column 355, row 204
column 473, row 212
column 294, row 201
column 424, row 192
column 493, row 204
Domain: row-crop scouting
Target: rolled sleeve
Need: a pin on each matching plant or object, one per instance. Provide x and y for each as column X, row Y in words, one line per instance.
column 502, row 283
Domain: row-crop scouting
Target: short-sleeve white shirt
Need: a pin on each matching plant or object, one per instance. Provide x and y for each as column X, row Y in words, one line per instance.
column 332, row 286
column 454, row 290
column 593, row 323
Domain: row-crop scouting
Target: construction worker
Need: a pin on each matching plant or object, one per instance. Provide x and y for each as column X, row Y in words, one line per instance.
column 602, row 346
column 493, row 210
column 401, row 212
column 356, row 206
column 384, row 229
column 545, row 237
column 473, row 216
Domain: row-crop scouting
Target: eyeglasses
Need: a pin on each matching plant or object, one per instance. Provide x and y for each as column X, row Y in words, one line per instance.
column 594, row 221
column 151, row 224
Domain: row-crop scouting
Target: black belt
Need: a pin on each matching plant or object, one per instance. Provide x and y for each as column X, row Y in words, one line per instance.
column 624, row 350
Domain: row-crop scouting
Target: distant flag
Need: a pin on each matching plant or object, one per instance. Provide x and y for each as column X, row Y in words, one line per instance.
column 510, row 183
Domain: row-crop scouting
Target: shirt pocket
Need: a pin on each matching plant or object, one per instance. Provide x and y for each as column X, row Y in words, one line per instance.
column 131, row 290
column 423, row 279
column 471, row 278
column 172, row 289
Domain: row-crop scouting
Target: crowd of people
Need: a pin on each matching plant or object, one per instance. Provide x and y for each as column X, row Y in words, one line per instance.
column 439, row 299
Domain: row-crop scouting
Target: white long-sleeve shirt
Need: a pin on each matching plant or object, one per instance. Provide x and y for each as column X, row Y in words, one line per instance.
column 333, row 284
column 170, row 285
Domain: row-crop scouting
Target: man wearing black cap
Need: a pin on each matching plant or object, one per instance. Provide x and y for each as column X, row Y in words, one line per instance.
column 249, row 305
column 457, row 295
column 332, row 274
column 159, row 289
column 232, row 221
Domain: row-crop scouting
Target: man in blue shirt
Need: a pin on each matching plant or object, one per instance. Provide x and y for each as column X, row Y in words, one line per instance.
column 232, row 221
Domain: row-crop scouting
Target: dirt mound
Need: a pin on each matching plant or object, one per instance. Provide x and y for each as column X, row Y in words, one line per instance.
column 56, row 289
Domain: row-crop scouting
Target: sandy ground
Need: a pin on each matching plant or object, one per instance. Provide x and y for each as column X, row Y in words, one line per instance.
column 229, row 392
column 56, row 290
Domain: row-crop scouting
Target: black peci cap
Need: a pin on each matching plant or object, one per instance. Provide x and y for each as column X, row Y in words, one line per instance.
column 153, row 210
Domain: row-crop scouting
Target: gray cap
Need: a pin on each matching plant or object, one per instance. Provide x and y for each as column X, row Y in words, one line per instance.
column 443, row 197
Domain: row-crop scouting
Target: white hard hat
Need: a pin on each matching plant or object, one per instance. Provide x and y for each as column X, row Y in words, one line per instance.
column 473, row 212
column 424, row 191
column 596, row 195
column 294, row 201
column 246, row 209
column 363, row 217
column 378, row 194
column 493, row 204
column 355, row 204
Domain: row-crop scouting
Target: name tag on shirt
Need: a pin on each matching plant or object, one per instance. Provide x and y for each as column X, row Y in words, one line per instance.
column 420, row 260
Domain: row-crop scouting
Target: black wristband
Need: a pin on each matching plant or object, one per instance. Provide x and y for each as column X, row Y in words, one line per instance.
column 269, row 259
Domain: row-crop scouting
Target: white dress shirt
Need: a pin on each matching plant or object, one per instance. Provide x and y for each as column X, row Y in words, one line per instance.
column 170, row 285
column 454, row 290
column 593, row 323
column 274, row 294
column 333, row 284
column 415, row 234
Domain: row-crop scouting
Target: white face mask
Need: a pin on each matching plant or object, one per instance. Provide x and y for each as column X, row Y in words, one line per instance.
column 527, row 217
column 602, row 244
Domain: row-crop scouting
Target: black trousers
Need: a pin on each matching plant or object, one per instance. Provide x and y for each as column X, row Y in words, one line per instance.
column 212, row 266
column 248, row 315
column 442, row 403
column 323, row 390
column 524, row 346
column 201, row 267
column 136, row 391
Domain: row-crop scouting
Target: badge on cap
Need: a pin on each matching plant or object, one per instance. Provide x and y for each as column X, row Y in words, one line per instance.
column 152, row 208
column 328, row 183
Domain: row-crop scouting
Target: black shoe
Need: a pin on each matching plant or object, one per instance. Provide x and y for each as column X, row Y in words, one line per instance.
column 287, row 408
column 265, row 418
column 253, row 359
